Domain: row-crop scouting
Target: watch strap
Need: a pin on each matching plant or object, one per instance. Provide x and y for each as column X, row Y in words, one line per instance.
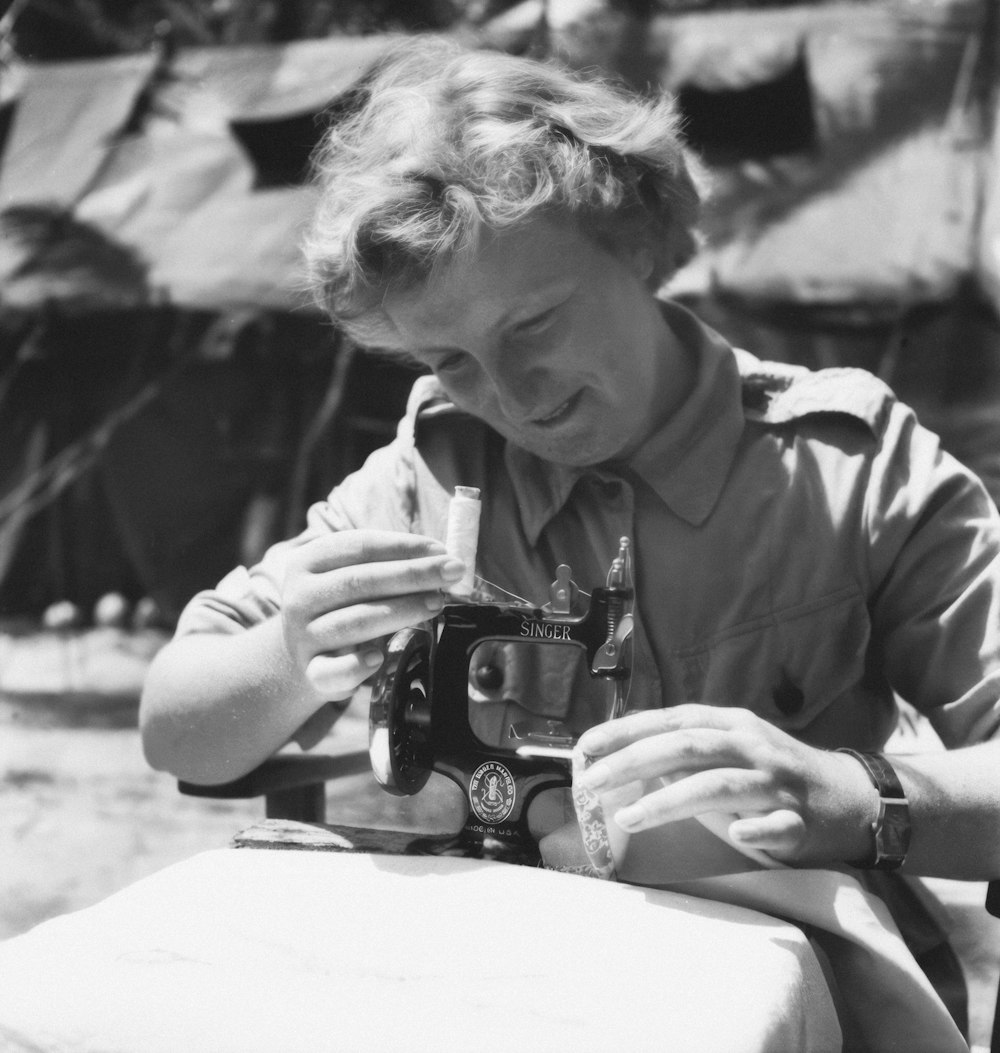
column 891, row 829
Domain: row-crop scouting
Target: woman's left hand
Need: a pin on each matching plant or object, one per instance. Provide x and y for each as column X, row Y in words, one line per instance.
column 801, row 805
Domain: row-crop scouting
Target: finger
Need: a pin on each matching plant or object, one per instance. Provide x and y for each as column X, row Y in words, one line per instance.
column 372, row 581
column 669, row 755
column 337, row 676
column 349, row 548
column 350, row 626
column 782, row 830
column 615, row 734
column 719, row 790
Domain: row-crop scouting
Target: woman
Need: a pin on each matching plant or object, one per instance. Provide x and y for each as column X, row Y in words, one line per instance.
column 804, row 551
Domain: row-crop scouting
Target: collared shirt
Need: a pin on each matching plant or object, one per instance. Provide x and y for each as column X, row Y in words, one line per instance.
column 803, row 548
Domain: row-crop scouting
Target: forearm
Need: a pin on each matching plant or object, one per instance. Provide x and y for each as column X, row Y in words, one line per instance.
column 954, row 798
column 215, row 706
column 954, row 805
column 805, row 806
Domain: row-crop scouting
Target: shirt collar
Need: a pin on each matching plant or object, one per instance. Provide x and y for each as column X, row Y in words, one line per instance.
column 685, row 462
column 688, row 460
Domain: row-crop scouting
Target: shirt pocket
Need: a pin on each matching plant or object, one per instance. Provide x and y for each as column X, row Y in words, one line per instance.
column 786, row 667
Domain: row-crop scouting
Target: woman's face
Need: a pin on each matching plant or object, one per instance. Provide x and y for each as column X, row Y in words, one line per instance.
column 551, row 339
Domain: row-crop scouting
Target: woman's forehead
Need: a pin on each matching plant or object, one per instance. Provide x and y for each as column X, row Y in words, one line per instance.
column 508, row 274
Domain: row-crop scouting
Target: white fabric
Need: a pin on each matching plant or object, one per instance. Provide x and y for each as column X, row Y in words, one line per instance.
column 887, row 1001
column 246, row 950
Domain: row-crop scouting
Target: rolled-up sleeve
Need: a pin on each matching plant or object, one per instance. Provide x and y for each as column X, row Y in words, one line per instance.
column 934, row 557
column 379, row 496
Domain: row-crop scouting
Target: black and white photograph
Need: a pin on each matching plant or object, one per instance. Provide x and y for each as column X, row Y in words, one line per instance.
column 499, row 526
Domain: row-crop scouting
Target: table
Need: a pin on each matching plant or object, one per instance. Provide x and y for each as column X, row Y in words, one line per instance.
column 248, row 950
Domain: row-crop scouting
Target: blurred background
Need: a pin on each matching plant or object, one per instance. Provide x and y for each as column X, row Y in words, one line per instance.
column 170, row 401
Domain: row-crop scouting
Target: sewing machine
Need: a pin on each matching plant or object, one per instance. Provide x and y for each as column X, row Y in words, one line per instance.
column 440, row 678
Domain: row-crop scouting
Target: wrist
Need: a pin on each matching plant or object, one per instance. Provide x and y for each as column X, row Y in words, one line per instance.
column 858, row 807
column 289, row 655
column 888, row 836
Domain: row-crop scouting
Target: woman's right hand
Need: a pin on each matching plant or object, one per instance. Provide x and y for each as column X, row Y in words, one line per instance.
column 344, row 591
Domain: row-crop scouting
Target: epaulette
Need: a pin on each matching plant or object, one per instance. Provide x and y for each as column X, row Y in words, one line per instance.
column 455, row 445
column 427, row 402
column 776, row 393
column 435, row 416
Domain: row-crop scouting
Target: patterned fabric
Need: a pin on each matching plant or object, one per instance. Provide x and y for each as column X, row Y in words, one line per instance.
column 592, row 822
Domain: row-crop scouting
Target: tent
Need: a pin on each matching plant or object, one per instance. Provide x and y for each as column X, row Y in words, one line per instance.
column 170, row 157
column 160, row 352
column 858, row 177
column 853, row 218
column 850, row 148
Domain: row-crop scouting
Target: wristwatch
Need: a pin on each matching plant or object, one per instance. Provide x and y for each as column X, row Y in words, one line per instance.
column 891, row 828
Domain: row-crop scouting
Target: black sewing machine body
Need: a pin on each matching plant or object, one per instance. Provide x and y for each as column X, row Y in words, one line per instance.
column 422, row 718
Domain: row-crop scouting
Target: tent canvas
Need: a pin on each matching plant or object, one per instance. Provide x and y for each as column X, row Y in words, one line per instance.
column 176, row 185
column 887, row 203
column 882, row 207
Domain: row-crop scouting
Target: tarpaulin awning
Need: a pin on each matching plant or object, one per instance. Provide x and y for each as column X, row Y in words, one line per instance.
column 68, row 115
column 899, row 229
column 882, row 207
column 180, row 190
column 266, row 81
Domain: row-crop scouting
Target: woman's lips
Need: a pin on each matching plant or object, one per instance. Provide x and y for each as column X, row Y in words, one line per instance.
column 561, row 411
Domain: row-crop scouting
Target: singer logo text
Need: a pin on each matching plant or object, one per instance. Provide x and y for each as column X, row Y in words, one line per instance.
column 545, row 630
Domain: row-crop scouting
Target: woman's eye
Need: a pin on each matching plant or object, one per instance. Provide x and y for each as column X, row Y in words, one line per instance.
column 535, row 326
column 538, row 324
column 451, row 363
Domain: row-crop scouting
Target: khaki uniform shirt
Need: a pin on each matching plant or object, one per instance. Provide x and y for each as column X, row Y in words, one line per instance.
column 803, row 548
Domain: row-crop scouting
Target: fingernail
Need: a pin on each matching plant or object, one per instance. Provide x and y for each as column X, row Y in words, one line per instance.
column 434, row 601
column 596, row 775
column 593, row 744
column 372, row 659
column 452, row 569
column 629, row 819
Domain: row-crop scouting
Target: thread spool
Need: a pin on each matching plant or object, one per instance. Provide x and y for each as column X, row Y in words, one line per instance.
column 462, row 537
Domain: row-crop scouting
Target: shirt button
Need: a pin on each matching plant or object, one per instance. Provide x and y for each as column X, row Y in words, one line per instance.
column 610, row 493
column 788, row 696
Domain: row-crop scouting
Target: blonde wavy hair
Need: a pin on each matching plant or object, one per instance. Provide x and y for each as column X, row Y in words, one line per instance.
column 442, row 142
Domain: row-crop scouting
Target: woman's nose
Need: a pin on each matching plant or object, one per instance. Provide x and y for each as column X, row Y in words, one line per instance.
column 518, row 392
column 517, row 380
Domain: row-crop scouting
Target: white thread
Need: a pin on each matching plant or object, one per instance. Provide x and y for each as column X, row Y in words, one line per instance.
column 462, row 538
column 491, row 592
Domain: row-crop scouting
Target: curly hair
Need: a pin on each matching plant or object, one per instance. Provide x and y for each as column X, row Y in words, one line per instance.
column 441, row 142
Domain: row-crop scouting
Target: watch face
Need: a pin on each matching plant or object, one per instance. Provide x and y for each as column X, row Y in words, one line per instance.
column 892, row 832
